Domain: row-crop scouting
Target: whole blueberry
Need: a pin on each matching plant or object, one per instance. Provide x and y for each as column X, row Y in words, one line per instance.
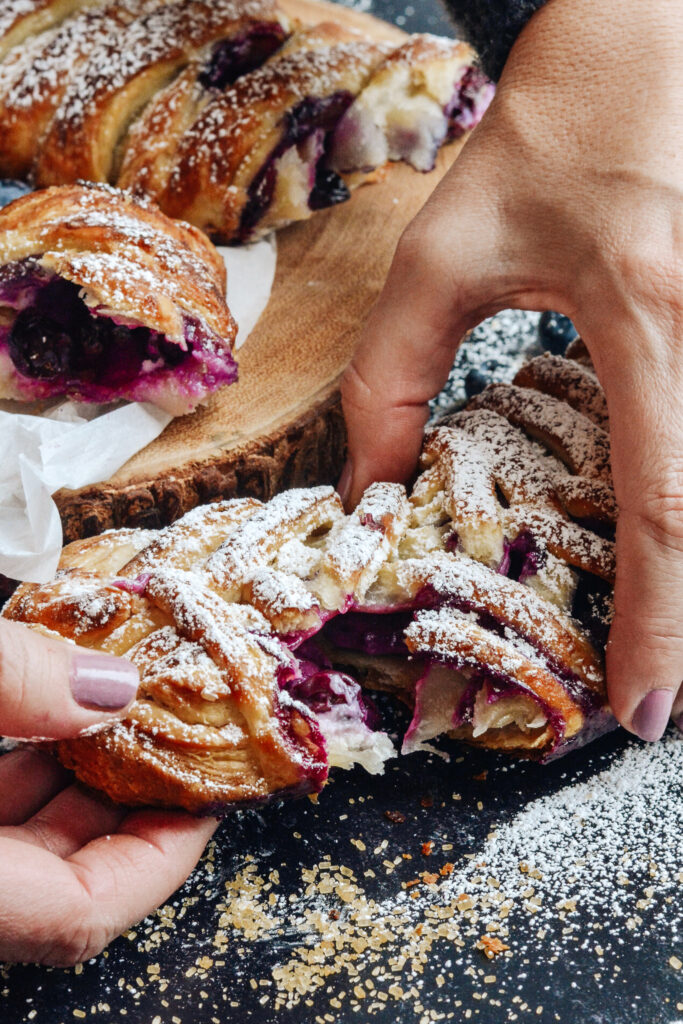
column 556, row 332
column 479, row 377
column 39, row 347
column 11, row 190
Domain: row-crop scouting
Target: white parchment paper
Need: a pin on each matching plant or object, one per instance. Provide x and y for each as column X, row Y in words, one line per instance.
column 74, row 444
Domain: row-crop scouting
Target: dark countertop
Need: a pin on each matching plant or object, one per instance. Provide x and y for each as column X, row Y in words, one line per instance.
column 603, row 958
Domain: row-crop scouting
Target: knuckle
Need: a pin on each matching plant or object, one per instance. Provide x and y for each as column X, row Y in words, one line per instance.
column 77, row 935
column 420, row 251
column 80, row 942
column 653, row 265
column 660, row 515
column 355, row 390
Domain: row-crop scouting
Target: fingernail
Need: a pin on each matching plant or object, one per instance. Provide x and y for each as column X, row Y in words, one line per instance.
column 652, row 715
column 102, row 683
column 344, row 485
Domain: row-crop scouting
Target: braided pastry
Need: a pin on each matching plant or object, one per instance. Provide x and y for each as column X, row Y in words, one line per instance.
column 483, row 601
column 218, row 109
column 103, row 297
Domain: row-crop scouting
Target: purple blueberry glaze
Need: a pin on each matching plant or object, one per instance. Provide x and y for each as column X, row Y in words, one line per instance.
column 522, row 557
column 232, row 58
column 321, row 689
column 367, row 519
column 452, row 541
column 470, row 100
column 60, row 346
column 371, row 634
column 136, row 586
column 592, row 607
column 303, row 121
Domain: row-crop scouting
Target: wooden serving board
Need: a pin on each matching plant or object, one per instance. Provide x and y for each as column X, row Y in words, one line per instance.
column 281, row 424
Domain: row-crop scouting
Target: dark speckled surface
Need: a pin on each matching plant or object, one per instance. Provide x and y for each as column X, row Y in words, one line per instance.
column 185, row 965
column 560, row 972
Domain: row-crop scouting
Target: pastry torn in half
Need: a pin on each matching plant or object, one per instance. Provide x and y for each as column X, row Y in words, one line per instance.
column 103, row 297
column 227, row 712
column 424, row 93
column 126, row 69
column 482, row 601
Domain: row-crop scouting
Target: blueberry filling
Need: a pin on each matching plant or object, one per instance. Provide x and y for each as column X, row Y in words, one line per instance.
column 59, row 339
column 329, row 189
column 469, row 102
column 310, row 116
column 593, row 607
column 522, row 557
column 59, row 344
column 322, row 689
column 235, row 57
column 371, row 634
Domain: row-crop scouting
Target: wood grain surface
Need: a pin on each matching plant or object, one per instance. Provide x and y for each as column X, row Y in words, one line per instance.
column 281, row 424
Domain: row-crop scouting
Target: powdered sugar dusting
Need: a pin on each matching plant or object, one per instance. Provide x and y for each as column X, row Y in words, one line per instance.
column 564, row 894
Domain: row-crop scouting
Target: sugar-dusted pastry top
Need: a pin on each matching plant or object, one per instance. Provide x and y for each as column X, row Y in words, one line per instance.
column 223, row 111
column 482, row 600
column 103, row 297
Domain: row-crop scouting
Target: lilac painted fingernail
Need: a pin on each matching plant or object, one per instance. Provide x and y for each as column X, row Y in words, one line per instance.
column 103, row 683
column 652, row 715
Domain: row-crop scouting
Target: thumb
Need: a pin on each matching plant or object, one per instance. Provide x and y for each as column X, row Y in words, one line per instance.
column 471, row 251
column 406, row 350
column 50, row 689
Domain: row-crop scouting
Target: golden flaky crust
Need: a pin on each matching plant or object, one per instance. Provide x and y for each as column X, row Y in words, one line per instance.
column 104, row 97
column 130, row 260
column 20, row 19
column 505, row 624
column 35, row 77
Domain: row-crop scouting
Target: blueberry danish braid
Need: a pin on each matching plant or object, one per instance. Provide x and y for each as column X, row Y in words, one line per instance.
column 482, row 601
column 297, row 134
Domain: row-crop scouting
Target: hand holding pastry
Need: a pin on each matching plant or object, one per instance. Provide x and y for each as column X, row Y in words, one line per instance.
column 76, row 871
column 569, row 196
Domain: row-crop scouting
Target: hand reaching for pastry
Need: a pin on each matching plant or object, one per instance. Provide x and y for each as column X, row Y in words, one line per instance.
column 75, row 871
column 569, row 196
